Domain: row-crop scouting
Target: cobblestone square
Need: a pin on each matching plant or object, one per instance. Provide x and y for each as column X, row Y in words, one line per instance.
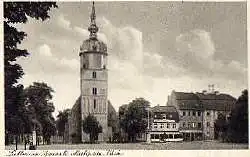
column 195, row 145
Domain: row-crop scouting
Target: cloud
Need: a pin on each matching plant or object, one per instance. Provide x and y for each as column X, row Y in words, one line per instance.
column 72, row 63
column 45, row 50
column 195, row 52
column 134, row 71
column 82, row 31
column 62, row 22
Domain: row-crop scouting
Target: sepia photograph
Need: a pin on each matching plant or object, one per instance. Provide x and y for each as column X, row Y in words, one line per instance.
column 125, row 75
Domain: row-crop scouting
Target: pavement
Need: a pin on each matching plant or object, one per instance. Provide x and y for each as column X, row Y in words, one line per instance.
column 194, row 145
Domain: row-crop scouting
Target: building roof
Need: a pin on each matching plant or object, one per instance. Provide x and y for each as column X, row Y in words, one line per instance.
column 204, row 101
column 185, row 96
column 163, row 109
column 93, row 44
column 170, row 112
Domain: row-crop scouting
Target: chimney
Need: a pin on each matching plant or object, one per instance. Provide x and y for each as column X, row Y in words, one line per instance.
column 216, row 92
column 204, row 92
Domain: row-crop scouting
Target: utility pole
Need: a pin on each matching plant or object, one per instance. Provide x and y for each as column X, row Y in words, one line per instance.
column 148, row 134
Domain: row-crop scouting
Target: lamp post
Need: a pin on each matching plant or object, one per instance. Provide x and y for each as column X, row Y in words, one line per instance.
column 148, row 127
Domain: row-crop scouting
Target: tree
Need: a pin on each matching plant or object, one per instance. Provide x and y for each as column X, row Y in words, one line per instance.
column 221, row 127
column 112, row 120
column 134, row 118
column 62, row 120
column 238, row 124
column 17, row 12
column 91, row 126
column 38, row 96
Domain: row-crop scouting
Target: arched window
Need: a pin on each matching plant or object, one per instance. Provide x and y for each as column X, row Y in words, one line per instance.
column 94, row 74
column 94, row 103
column 94, row 91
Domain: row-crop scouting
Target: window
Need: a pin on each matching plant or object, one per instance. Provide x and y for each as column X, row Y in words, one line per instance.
column 155, row 125
column 199, row 113
column 152, row 136
column 162, row 125
column 94, row 91
column 189, row 113
column 193, row 125
column 156, row 136
column 189, row 125
column 184, row 113
column 199, row 125
column 163, row 116
column 174, row 125
column 94, row 104
column 94, row 74
column 208, row 124
column 184, row 124
column 194, row 113
column 167, row 125
column 208, row 113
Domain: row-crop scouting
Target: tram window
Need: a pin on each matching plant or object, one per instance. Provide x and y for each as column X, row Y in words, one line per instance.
column 161, row 136
column 152, row 136
column 177, row 136
column 170, row 136
column 157, row 136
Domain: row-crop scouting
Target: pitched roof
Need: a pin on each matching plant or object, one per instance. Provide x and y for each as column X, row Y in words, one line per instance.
column 163, row 109
column 217, row 101
column 170, row 112
column 202, row 101
column 185, row 96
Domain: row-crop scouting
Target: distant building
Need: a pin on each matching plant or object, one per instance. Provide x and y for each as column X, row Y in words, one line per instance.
column 199, row 111
column 164, row 125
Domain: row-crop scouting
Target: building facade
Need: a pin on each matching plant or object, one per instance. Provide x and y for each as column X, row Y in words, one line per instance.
column 93, row 85
column 94, row 79
column 164, row 124
column 199, row 111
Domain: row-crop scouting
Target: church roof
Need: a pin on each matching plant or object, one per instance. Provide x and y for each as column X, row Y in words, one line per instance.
column 93, row 44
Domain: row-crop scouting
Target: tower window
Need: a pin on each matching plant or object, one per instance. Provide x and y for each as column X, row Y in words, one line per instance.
column 199, row 113
column 94, row 103
column 194, row 113
column 184, row 113
column 94, row 74
column 94, row 91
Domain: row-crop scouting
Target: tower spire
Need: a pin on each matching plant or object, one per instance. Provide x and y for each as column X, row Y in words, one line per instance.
column 93, row 29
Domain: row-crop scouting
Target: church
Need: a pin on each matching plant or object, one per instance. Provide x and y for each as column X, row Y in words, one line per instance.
column 93, row 85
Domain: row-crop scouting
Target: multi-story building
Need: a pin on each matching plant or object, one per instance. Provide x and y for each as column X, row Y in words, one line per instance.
column 93, row 84
column 199, row 111
column 164, row 125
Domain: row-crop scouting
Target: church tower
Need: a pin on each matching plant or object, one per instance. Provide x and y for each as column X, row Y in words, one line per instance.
column 94, row 79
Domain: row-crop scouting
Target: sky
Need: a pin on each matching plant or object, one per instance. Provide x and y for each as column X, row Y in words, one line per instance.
column 153, row 49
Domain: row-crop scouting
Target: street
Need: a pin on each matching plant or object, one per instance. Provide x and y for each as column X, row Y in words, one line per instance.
column 194, row 145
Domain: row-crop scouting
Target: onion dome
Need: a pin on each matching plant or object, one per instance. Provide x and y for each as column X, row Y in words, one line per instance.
column 93, row 44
